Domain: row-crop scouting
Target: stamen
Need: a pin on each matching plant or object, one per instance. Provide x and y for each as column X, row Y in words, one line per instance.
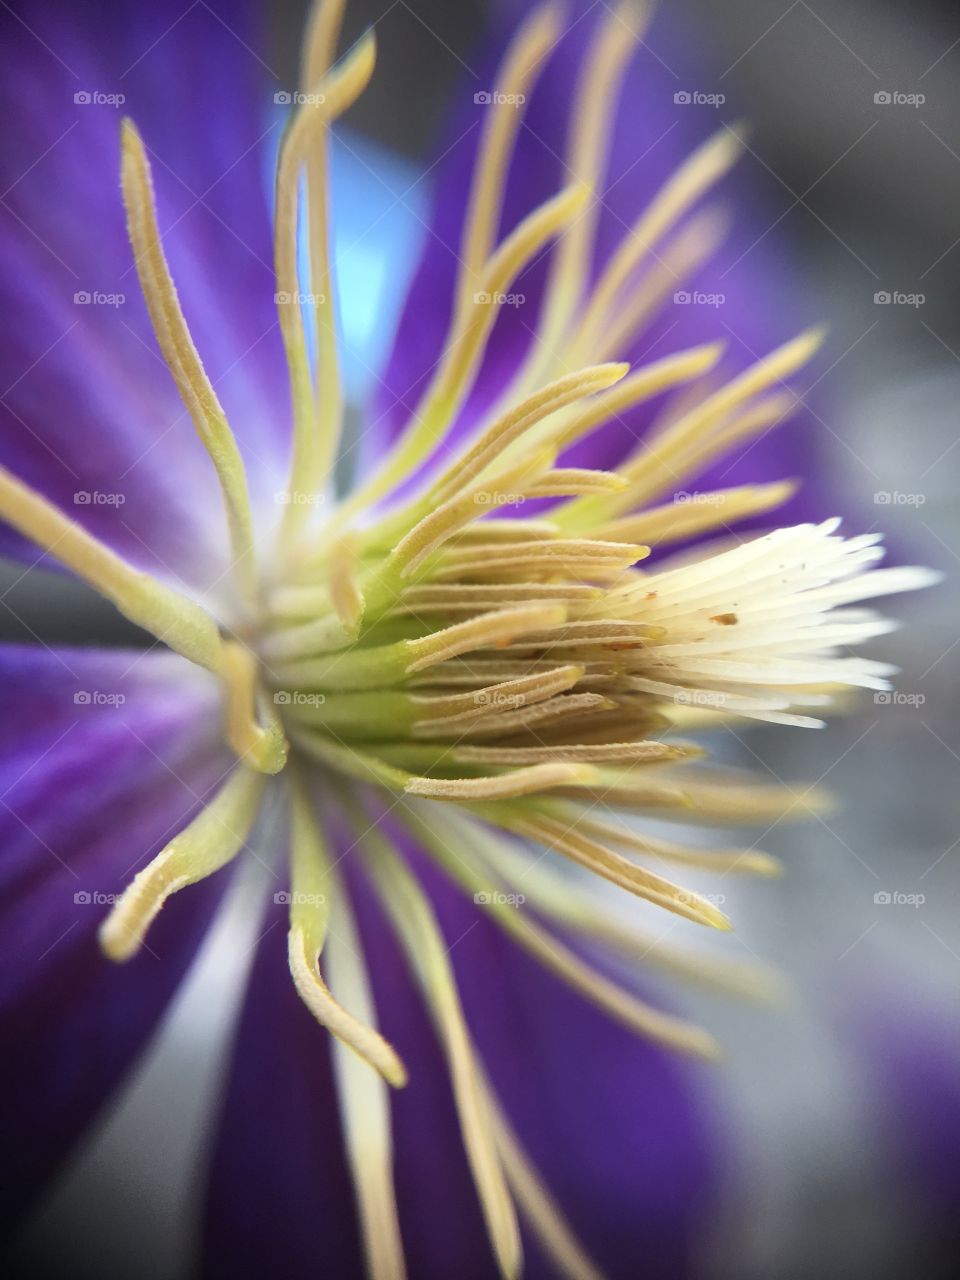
column 263, row 749
column 695, row 243
column 501, row 723
column 364, row 1108
column 482, row 597
column 417, row 928
column 602, row 753
column 345, row 592
column 489, row 629
column 463, row 349
column 171, row 617
column 510, row 426
column 613, row 999
column 745, row 861
column 704, row 167
column 654, row 465
column 592, row 118
column 527, row 690
column 507, row 786
column 323, row 31
column 313, row 880
column 333, row 95
column 180, row 354
column 549, row 891
column 612, row 866
column 698, row 513
column 569, row 482
column 527, row 51
column 467, row 505
column 646, row 382
column 534, row 1200
column 209, row 842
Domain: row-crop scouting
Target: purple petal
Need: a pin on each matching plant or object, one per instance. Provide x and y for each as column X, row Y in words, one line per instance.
column 653, row 136
column 90, row 788
column 89, row 406
column 613, row 1124
column 279, row 1146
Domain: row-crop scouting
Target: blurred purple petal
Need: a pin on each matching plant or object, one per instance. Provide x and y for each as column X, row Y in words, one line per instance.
column 279, row 1146
column 90, row 788
column 614, row 1125
column 89, row 406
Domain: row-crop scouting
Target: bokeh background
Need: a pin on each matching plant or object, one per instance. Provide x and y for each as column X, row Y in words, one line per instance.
column 839, row 1115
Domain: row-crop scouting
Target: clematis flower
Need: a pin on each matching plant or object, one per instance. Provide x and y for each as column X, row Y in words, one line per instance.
column 451, row 677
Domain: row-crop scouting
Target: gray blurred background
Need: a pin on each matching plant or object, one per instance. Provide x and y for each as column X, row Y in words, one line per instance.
column 835, row 1164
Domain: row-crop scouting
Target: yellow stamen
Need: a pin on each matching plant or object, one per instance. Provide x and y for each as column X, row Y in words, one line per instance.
column 263, row 749
column 177, row 347
column 418, row 931
column 612, row 866
column 694, row 244
column 519, row 419
column 468, row 504
column 696, row 175
column 209, row 842
column 171, row 617
column 312, row 883
column 569, row 482
column 331, row 97
column 495, row 629
column 697, row 513
column 464, row 347
column 518, row 782
column 592, row 117
column 614, row 1000
column 527, row 51
column 535, row 1202
column 323, row 30
column 364, row 1107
